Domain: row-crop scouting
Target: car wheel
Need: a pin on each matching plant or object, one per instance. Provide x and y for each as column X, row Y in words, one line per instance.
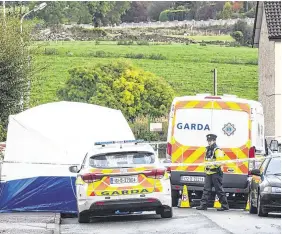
column 253, row 210
column 166, row 212
column 83, row 218
column 174, row 198
column 260, row 211
column 158, row 211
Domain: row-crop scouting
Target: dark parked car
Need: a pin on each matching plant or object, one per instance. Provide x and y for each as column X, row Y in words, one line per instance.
column 265, row 187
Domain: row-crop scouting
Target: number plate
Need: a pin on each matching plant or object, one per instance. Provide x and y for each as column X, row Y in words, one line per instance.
column 124, row 180
column 193, row 179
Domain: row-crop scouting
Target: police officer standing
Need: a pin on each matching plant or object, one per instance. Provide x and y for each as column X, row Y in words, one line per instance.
column 214, row 175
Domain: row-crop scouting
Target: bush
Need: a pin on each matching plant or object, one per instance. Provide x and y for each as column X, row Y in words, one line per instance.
column 93, row 32
column 97, row 42
column 142, row 43
column 203, row 44
column 157, row 57
column 101, row 54
column 125, row 42
column 15, row 69
column 135, row 56
column 246, row 30
column 51, row 51
column 121, row 86
column 238, row 36
column 170, row 15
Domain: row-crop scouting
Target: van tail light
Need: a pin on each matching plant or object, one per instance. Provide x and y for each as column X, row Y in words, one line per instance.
column 91, row 177
column 155, row 173
column 169, row 149
column 252, row 152
column 168, row 169
column 100, row 203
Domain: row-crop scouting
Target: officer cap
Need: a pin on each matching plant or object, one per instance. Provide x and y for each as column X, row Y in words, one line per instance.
column 211, row 137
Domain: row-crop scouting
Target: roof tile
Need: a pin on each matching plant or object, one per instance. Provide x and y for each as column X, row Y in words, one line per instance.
column 273, row 19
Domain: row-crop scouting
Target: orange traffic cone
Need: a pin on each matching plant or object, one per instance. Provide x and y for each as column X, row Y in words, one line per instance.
column 216, row 203
column 184, row 203
column 248, row 204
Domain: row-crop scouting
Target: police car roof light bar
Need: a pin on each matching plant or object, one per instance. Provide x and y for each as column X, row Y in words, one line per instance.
column 118, row 142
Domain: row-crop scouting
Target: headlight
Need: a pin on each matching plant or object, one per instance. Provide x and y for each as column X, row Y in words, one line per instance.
column 272, row 190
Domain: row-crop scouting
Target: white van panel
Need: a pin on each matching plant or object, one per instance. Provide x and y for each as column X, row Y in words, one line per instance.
column 231, row 128
column 192, row 126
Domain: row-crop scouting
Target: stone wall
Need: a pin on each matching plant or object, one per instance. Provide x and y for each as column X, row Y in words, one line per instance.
column 158, row 24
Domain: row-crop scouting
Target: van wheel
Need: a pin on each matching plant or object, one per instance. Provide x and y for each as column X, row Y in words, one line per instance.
column 166, row 212
column 83, row 218
column 253, row 210
column 260, row 211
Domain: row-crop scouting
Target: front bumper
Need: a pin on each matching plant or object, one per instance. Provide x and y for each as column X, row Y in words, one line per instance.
column 271, row 202
column 131, row 203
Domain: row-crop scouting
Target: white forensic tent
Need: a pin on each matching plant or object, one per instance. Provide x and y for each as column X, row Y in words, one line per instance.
column 43, row 138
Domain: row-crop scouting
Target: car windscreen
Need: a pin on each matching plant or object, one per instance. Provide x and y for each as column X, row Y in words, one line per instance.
column 121, row 159
column 274, row 167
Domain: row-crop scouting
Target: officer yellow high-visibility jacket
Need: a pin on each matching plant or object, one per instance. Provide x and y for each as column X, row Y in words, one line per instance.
column 213, row 154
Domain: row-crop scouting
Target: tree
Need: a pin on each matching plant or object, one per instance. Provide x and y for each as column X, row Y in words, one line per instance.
column 155, row 8
column 53, row 13
column 121, row 86
column 107, row 12
column 14, row 69
column 238, row 36
column 164, row 16
column 237, row 6
column 246, row 30
column 227, row 11
column 138, row 12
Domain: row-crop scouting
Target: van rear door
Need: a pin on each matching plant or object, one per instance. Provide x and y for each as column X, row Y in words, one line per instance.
column 233, row 130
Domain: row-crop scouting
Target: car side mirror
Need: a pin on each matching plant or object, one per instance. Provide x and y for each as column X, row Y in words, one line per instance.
column 274, row 145
column 73, row 169
column 255, row 172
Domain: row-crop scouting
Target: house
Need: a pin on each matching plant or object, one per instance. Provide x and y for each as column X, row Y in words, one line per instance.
column 267, row 37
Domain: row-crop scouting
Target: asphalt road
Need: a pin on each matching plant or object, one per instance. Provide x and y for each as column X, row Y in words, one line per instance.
column 27, row 223
column 183, row 221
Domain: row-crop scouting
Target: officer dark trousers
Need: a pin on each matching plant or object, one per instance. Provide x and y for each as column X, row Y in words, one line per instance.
column 214, row 180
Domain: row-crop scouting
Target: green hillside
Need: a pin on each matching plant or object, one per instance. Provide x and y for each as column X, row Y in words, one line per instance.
column 186, row 67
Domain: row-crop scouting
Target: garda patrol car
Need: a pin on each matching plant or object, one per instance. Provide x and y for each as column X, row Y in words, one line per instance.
column 123, row 176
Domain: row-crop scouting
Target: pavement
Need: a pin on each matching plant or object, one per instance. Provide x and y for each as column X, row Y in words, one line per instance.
column 29, row 223
column 184, row 221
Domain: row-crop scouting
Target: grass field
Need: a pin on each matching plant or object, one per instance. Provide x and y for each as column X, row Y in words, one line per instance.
column 186, row 67
column 212, row 38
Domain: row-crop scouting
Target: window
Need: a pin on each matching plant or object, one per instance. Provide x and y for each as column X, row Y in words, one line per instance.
column 274, row 166
column 122, row 159
column 263, row 165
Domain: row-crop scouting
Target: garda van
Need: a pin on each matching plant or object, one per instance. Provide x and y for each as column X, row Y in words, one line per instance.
column 239, row 126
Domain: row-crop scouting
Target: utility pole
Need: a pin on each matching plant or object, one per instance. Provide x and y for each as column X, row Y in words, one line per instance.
column 214, row 71
column 4, row 10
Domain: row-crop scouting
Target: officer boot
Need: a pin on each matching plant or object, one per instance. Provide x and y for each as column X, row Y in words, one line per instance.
column 224, row 204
